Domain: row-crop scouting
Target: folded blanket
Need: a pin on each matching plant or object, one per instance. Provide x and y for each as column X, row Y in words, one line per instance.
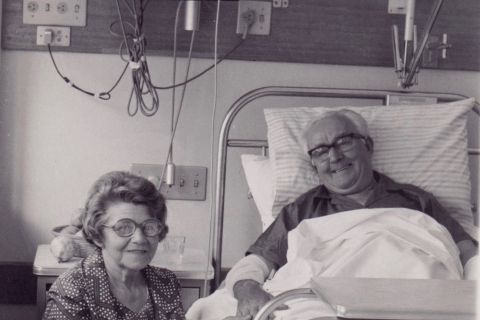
column 369, row 243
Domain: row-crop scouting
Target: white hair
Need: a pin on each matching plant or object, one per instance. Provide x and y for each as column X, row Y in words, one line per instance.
column 359, row 123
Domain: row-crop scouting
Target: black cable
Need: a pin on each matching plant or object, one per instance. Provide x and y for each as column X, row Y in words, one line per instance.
column 142, row 84
column 105, row 95
column 204, row 71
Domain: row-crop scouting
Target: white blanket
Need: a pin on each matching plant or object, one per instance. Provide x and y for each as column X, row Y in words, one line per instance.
column 368, row 243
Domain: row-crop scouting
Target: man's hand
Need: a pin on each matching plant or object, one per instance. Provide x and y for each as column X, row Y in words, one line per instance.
column 470, row 269
column 251, row 297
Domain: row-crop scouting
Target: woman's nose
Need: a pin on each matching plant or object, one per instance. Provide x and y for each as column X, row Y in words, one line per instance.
column 139, row 235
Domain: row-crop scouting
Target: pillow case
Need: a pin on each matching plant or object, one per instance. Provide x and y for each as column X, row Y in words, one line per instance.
column 259, row 177
column 422, row 145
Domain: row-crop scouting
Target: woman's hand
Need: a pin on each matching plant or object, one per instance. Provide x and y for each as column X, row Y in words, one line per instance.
column 251, row 297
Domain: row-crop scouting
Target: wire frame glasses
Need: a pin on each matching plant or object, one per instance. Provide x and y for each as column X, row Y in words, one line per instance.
column 127, row 227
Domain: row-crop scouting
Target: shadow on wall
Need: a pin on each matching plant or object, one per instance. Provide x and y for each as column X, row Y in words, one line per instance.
column 13, row 241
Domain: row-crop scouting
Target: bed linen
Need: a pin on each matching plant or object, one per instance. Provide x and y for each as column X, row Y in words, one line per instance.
column 423, row 145
column 369, row 243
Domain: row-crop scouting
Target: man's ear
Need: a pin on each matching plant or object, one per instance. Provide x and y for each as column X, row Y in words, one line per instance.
column 369, row 144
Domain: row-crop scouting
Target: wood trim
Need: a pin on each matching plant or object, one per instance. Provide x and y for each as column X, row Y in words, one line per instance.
column 341, row 32
column 18, row 283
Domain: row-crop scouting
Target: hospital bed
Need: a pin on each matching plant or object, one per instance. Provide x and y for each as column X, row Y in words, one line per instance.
column 420, row 138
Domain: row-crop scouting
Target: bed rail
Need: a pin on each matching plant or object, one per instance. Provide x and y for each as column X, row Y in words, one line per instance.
column 225, row 142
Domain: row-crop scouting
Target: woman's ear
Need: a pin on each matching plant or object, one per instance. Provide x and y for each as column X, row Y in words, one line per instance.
column 98, row 243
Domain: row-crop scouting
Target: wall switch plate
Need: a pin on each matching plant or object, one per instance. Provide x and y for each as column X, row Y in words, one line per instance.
column 190, row 181
column 55, row 36
column 263, row 14
column 55, row 12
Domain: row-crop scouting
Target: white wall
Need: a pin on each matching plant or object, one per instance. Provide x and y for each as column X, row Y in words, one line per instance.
column 55, row 141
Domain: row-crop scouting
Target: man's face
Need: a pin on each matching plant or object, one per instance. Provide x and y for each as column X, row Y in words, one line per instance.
column 342, row 172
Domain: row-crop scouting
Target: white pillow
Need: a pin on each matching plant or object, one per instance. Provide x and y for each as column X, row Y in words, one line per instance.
column 260, row 182
column 422, row 145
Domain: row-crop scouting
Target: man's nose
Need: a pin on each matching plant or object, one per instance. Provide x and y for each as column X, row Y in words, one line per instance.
column 335, row 154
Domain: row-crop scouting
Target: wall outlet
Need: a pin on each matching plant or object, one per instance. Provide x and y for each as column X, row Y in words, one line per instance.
column 280, row 3
column 397, row 6
column 55, row 12
column 190, row 181
column 261, row 18
column 55, row 36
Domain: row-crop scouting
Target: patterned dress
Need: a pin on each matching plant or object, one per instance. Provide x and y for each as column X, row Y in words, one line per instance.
column 84, row 293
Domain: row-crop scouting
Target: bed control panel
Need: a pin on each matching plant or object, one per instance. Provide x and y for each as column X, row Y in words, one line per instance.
column 189, row 182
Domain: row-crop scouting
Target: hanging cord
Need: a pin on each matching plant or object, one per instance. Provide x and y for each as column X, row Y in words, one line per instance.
column 184, row 87
column 212, row 139
column 137, row 61
column 105, row 95
column 174, row 76
column 135, row 46
column 206, row 70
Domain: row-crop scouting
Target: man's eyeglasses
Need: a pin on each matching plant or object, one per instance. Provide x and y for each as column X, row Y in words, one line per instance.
column 126, row 227
column 343, row 143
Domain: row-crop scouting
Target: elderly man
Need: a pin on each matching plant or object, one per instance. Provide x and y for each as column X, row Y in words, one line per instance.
column 340, row 149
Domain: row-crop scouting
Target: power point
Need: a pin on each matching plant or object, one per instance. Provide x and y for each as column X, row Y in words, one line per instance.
column 55, row 12
column 62, row 8
column 54, row 36
column 254, row 16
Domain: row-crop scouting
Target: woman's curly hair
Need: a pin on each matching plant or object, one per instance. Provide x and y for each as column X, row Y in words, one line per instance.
column 115, row 187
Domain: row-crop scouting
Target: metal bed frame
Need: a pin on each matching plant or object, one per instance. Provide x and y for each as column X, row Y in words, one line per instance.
column 226, row 142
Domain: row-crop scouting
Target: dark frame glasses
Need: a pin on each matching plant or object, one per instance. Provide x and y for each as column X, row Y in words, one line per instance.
column 343, row 143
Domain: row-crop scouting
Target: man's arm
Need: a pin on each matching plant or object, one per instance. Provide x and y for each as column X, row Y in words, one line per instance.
column 469, row 259
column 467, row 250
column 245, row 281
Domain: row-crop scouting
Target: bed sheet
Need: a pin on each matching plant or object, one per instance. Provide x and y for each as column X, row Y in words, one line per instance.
column 369, row 243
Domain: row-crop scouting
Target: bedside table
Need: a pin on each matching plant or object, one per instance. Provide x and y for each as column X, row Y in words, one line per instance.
column 190, row 272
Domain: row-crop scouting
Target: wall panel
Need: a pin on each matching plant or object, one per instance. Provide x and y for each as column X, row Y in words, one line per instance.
column 343, row 32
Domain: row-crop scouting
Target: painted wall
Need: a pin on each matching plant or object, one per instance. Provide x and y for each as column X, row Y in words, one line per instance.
column 55, row 141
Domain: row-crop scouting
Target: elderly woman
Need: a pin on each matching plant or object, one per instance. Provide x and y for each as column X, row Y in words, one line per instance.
column 125, row 218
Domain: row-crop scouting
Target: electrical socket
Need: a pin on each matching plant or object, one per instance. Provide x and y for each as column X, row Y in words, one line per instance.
column 58, row 36
column 261, row 19
column 190, row 181
column 55, row 12
column 397, row 6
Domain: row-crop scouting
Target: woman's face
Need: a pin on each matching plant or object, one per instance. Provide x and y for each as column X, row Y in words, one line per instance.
column 131, row 253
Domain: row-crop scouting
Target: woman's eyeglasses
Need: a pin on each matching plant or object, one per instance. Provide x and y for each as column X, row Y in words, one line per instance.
column 343, row 143
column 127, row 227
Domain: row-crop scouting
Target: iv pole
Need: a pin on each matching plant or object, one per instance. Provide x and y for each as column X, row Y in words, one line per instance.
column 407, row 74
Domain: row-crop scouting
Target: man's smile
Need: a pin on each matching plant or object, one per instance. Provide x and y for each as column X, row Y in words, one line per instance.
column 342, row 168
